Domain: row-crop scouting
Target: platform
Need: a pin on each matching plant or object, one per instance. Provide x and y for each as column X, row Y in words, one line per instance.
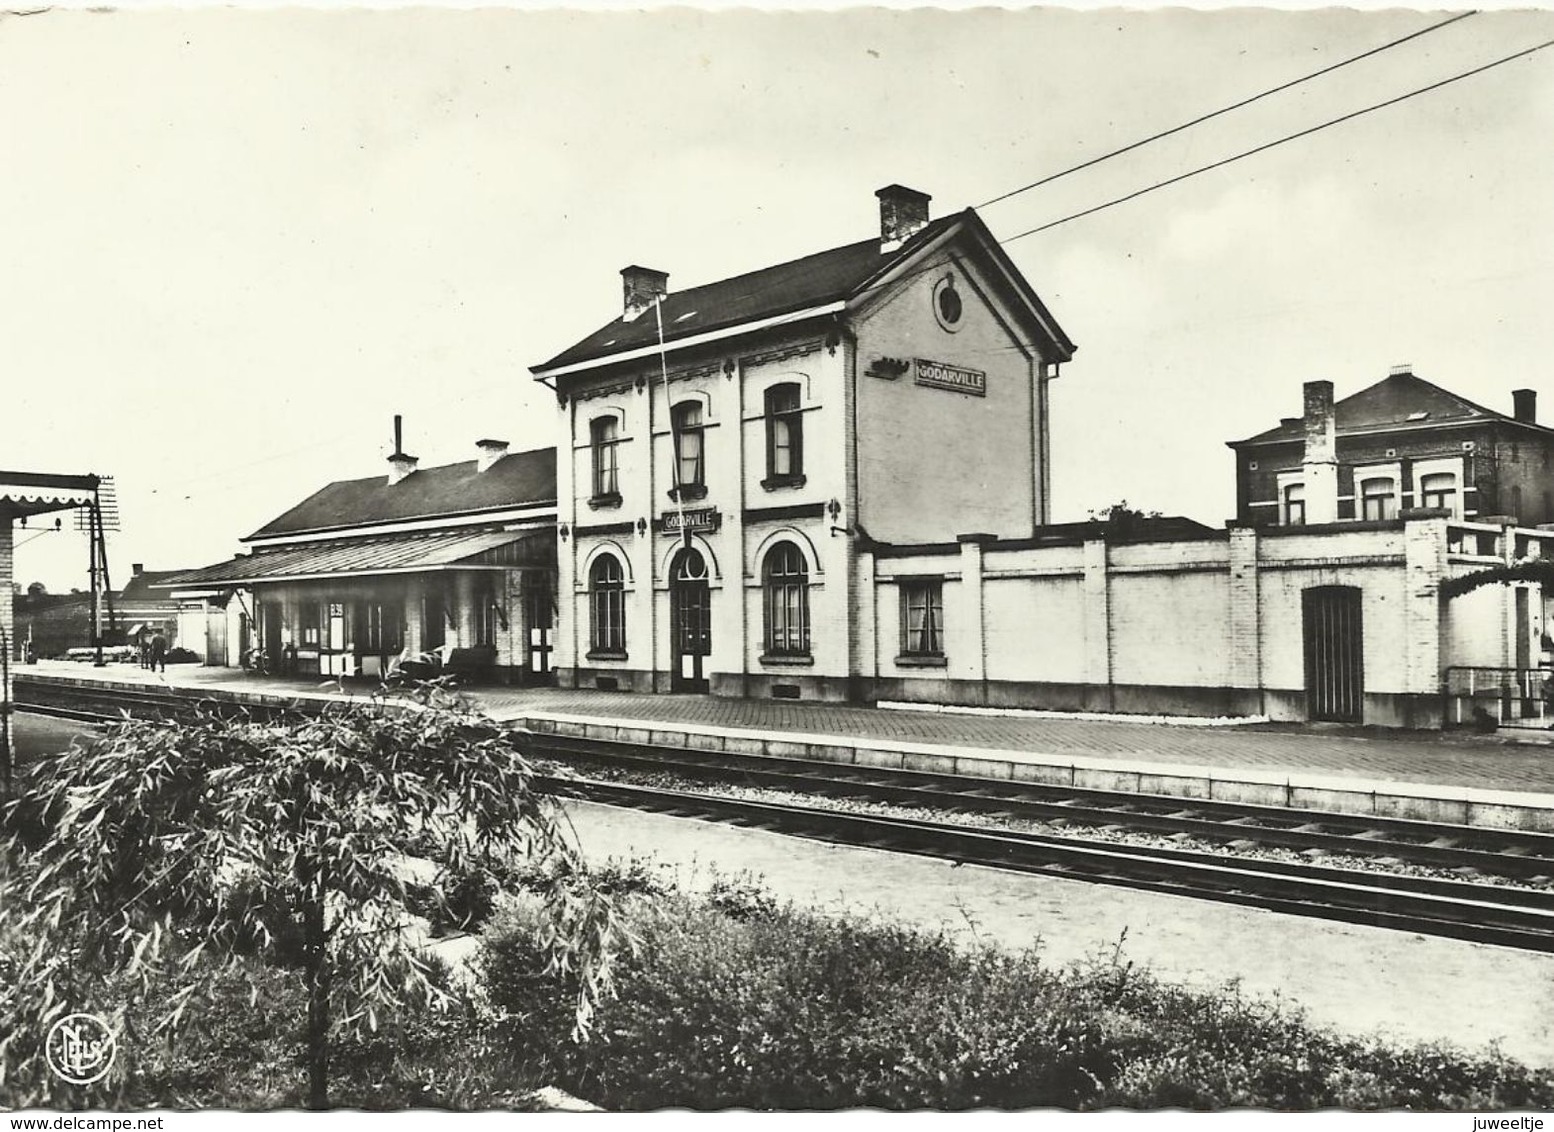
column 1492, row 780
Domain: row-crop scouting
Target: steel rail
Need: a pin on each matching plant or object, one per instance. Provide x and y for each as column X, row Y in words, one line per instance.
column 1510, row 853
column 1481, row 913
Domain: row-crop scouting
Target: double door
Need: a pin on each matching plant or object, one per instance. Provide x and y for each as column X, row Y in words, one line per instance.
column 690, row 619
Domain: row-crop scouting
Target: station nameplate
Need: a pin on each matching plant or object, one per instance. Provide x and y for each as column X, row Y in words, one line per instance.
column 938, row 375
column 691, row 519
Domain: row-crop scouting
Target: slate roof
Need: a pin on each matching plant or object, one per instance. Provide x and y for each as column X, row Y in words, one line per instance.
column 518, row 479
column 815, row 280
column 1389, row 404
column 138, row 588
column 395, row 554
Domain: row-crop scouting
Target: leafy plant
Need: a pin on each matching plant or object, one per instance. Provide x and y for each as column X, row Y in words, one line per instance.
column 177, row 849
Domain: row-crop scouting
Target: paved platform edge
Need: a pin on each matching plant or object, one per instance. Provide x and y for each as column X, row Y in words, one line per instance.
column 1460, row 805
column 1498, row 809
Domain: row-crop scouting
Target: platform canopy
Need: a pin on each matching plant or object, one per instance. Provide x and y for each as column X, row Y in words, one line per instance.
column 402, row 554
column 36, row 493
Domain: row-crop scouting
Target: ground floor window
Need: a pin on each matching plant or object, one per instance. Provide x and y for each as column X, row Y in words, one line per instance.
column 786, row 587
column 922, row 617
column 309, row 625
column 1294, row 505
column 607, row 605
column 488, row 613
column 1378, row 498
column 1438, row 490
column 380, row 628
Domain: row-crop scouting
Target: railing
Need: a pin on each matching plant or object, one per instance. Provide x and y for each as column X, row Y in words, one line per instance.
column 1502, row 697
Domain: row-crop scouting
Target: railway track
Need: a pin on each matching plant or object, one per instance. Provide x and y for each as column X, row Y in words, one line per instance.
column 1519, row 918
column 1514, row 854
column 1459, row 908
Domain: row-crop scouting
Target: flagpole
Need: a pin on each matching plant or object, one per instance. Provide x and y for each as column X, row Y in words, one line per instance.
column 674, row 438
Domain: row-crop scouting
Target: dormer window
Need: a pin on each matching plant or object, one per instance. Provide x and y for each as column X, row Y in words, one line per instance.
column 689, row 451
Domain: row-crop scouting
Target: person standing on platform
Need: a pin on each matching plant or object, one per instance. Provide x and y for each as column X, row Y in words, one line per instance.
column 158, row 651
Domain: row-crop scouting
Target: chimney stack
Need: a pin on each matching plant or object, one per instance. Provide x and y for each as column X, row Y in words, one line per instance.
column 1320, row 463
column 643, row 287
column 1526, row 402
column 903, row 212
column 137, row 569
column 400, row 465
column 488, row 452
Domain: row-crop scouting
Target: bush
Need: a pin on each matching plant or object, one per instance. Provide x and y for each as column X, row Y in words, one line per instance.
column 734, row 1001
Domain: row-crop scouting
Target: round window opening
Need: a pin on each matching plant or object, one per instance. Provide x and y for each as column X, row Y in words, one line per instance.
column 947, row 306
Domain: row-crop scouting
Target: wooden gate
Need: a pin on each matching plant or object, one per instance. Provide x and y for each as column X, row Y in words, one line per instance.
column 1335, row 655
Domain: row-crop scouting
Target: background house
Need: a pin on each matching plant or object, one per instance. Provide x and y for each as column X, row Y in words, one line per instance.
column 1401, row 443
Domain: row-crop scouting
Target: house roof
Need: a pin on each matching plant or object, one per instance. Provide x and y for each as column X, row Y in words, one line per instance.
column 800, row 284
column 518, row 479
column 138, row 588
column 1396, row 401
column 397, row 554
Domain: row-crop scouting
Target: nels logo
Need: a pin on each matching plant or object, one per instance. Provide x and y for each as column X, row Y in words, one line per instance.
column 80, row 1048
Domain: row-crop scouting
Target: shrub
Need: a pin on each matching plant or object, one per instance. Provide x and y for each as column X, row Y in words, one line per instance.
column 734, row 1001
column 279, row 839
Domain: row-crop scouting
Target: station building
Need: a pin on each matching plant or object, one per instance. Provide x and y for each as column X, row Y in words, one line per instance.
column 457, row 560
column 734, row 453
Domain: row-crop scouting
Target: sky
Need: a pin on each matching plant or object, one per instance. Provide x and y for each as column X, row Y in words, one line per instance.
column 234, row 243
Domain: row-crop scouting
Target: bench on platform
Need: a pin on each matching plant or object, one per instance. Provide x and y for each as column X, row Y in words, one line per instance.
column 474, row 663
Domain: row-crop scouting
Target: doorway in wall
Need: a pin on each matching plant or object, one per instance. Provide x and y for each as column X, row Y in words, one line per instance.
column 1335, row 656
column 690, row 617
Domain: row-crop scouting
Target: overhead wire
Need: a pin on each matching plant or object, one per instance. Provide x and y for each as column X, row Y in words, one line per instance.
column 1282, row 141
column 1227, row 109
column 897, row 280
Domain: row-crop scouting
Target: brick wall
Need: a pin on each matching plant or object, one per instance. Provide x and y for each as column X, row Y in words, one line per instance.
column 1211, row 625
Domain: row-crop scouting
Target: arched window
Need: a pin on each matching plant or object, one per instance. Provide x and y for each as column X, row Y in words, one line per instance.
column 784, row 437
column 1378, row 498
column 607, row 605
column 604, row 438
column 1295, row 505
column 785, row 580
column 1439, row 490
column 689, row 465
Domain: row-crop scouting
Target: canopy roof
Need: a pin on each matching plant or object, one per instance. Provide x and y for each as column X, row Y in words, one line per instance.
column 402, row 554
column 35, row 493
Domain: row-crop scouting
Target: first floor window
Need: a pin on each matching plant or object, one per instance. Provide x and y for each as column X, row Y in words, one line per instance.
column 922, row 617
column 689, row 468
column 1294, row 505
column 604, row 435
column 607, row 604
column 1438, row 489
column 786, row 586
column 784, row 433
column 1378, row 498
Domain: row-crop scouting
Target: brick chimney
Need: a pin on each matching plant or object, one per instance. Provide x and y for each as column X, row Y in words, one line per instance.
column 643, row 287
column 137, row 569
column 903, row 212
column 1320, row 463
column 1526, row 402
column 400, row 465
column 488, row 452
